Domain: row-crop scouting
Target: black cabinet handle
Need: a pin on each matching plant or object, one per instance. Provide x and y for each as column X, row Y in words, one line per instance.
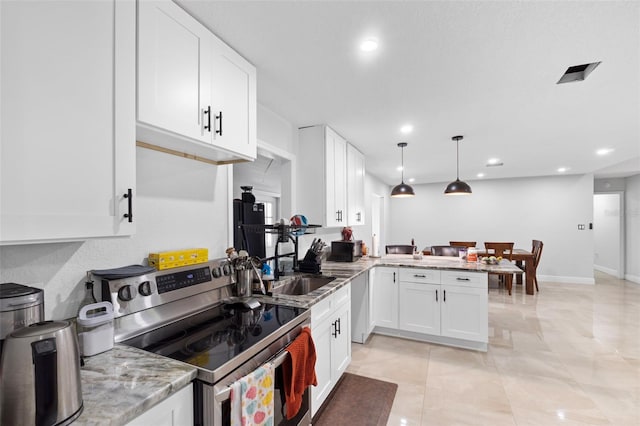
column 444, row 295
column 208, row 113
column 462, row 279
column 339, row 328
column 334, row 333
column 419, row 276
column 359, row 216
column 436, row 295
column 219, row 117
column 129, row 198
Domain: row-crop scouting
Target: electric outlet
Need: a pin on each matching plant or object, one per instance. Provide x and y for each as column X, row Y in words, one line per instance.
column 581, row 226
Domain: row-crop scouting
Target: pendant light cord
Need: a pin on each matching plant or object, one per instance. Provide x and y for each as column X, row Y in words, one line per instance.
column 457, row 160
column 402, row 156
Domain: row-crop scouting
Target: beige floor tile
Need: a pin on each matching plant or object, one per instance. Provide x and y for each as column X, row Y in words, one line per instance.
column 568, row 355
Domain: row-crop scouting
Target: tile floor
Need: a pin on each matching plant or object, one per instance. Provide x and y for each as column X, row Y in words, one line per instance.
column 568, row 355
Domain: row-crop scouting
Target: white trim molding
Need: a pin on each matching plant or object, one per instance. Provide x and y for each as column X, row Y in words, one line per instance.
column 567, row 280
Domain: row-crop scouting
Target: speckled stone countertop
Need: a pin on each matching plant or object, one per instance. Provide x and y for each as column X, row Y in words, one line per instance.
column 120, row 384
column 346, row 271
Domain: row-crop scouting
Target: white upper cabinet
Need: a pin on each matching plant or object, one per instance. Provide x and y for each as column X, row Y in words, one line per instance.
column 68, row 120
column 195, row 94
column 355, row 186
column 322, row 183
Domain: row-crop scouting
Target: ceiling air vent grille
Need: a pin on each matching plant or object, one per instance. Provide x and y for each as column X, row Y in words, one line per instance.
column 577, row 72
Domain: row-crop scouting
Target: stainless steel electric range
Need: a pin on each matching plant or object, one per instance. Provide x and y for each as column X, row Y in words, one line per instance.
column 190, row 314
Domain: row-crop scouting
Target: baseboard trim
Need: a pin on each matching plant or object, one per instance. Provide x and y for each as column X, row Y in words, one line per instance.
column 633, row 278
column 567, row 280
column 606, row 270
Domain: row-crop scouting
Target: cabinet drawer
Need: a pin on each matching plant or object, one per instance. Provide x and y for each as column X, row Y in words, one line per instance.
column 465, row 279
column 341, row 296
column 415, row 275
column 321, row 311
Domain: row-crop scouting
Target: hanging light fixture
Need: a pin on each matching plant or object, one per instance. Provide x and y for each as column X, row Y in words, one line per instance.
column 402, row 190
column 457, row 187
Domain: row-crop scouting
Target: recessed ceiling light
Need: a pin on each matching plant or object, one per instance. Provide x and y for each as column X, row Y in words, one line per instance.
column 480, row 175
column 493, row 161
column 412, row 180
column 562, row 169
column 604, row 151
column 369, row 45
column 407, row 128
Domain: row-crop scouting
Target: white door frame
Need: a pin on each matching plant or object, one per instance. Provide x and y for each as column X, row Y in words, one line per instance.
column 620, row 273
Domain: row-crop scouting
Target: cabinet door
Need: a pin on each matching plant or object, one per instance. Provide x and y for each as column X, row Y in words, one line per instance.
column 355, row 186
column 419, row 307
column 174, row 59
column 177, row 410
column 68, row 119
column 341, row 342
column 360, row 309
column 335, row 176
column 464, row 313
column 234, row 101
column 322, row 340
column 385, row 297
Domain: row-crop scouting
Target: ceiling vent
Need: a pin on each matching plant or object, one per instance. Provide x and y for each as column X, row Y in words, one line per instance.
column 577, row 72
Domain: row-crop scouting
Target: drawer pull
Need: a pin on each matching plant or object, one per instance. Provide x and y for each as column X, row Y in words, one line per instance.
column 436, row 295
column 419, row 276
column 462, row 279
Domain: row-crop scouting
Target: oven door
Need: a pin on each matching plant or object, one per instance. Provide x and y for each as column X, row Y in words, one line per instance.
column 222, row 400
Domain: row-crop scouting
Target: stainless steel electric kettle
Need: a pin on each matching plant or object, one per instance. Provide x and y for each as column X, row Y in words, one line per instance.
column 40, row 375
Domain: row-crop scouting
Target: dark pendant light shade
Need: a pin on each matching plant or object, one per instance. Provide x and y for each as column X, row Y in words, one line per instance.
column 457, row 187
column 402, row 190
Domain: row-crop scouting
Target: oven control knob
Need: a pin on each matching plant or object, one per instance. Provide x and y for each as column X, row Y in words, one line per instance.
column 217, row 272
column 226, row 269
column 145, row 288
column 126, row 293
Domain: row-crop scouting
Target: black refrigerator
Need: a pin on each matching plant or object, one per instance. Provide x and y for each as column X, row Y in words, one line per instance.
column 249, row 238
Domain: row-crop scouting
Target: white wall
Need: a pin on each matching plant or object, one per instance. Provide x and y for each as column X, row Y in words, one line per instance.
column 632, row 228
column 171, row 213
column 518, row 210
column 606, row 233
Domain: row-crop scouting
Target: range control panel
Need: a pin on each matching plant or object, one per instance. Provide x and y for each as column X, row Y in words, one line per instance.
column 134, row 294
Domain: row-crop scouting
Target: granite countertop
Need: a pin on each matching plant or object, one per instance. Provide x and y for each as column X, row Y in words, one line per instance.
column 346, row 271
column 120, row 384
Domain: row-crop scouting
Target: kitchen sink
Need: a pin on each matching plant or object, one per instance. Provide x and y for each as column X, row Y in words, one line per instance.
column 302, row 285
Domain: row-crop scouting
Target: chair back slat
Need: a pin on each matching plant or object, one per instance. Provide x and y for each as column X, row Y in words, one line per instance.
column 399, row 249
column 500, row 249
column 463, row 243
column 537, row 252
column 446, row 250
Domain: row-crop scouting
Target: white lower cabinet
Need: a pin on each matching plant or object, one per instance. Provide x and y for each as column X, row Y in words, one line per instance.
column 331, row 332
column 385, row 297
column 362, row 321
column 177, row 410
column 448, row 307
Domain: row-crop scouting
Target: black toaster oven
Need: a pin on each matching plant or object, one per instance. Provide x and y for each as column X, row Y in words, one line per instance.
column 346, row 251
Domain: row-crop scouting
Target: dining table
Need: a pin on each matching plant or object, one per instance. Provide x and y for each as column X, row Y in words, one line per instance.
column 524, row 260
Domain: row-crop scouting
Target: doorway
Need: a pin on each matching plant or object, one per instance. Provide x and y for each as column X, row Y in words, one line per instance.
column 608, row 233
column 377, row 218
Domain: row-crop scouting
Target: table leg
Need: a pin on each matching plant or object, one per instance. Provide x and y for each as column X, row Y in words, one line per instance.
column 519, row 276
column 528, row 270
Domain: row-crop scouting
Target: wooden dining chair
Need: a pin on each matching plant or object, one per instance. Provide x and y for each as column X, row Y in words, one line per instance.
column 466, row 244
column 536, row 249
column 504, row 250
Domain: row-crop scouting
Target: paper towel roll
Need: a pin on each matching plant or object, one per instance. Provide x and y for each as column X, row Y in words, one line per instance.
column 375, row 246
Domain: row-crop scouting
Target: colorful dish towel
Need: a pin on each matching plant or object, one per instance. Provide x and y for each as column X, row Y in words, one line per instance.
column 299, row 371
column 252, row 398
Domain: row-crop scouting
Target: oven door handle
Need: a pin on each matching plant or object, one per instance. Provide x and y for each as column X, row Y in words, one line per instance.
column 275, row 362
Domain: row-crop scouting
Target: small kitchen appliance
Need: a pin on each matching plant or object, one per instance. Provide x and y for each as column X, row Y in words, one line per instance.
column 96, row 321
column 20, row 306
column 40, row 376
column 346, row 251
column 193, row 315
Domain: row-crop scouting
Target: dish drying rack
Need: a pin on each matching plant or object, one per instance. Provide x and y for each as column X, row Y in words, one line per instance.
column 285, row 234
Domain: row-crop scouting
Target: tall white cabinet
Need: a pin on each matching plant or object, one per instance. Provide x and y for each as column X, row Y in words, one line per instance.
column 67, row 163
column 195, row 94
column 330, row 178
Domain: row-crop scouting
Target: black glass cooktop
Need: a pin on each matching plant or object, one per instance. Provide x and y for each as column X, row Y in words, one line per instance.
column 214, row 337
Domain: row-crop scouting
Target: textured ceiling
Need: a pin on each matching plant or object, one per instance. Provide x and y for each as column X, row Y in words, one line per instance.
column 485, row 70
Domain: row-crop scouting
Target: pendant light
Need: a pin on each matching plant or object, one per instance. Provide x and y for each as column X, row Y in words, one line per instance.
column 457, row 187
column 402, row 190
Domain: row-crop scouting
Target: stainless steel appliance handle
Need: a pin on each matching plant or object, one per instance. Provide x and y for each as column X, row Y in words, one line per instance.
column 276, row 362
